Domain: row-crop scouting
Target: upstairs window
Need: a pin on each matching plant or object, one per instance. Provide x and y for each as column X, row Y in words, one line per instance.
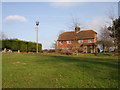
column 61, row 42
column 80, row 41
column 89, row 40
column 69, row 42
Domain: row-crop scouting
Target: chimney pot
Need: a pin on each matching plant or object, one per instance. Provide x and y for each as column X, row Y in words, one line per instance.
column 77, row 29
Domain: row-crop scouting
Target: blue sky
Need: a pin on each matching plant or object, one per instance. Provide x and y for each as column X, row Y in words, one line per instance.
column 19, row 18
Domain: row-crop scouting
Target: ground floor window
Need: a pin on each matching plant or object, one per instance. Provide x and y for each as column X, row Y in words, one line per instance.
column 69, row 42
column 89, row 40
column 69, row 48
column 80, row 41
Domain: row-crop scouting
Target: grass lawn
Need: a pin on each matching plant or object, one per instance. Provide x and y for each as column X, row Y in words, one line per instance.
column 53, row 71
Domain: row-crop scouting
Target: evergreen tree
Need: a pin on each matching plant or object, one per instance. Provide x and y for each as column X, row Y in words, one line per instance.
column 115, row 32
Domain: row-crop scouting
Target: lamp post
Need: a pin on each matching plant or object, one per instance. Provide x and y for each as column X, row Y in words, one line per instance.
column 37, row 23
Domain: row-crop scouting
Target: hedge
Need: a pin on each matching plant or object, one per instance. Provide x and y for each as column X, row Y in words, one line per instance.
column 15, row 45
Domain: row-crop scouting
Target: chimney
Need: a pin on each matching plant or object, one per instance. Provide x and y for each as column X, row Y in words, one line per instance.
column 77, row 29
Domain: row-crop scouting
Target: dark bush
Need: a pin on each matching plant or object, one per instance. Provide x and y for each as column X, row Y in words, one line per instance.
column 66, row 52
column 51, row 51
column 15, row 45
column 95, row 54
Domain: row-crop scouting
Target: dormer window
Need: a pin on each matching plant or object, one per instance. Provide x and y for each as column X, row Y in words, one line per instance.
column 89, row 40
column 69, row 42
column 80, row 41
column 61, row 42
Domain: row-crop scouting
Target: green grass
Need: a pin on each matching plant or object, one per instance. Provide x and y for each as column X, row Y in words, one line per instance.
column 53, row 71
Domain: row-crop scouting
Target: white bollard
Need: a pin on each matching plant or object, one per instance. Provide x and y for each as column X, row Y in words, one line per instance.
column 5, row 50
column 18, row 51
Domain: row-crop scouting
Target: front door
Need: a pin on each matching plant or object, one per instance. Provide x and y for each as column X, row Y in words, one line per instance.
column 88, row 49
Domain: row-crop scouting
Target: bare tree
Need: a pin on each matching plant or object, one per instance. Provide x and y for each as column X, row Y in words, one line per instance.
column 105, row 33
column 54, row 44
column 104, row 39
column 112, row 16
column 75, row 22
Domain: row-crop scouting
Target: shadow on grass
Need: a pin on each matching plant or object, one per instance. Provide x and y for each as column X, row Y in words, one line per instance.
column 97, row 61
column 85, row 63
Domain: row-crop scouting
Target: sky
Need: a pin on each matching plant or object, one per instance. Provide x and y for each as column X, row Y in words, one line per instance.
column 18, row 18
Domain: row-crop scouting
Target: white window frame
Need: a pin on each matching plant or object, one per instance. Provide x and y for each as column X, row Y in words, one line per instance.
column 61, row 42
column 89, row 40
column 69, row 42
column 80, row 41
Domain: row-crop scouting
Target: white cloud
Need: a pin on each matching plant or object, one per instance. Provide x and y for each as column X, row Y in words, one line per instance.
column 12, row 18
column 65, row 4
column 97, row 22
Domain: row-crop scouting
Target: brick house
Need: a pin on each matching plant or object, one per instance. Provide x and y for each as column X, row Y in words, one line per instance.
column 83, row 41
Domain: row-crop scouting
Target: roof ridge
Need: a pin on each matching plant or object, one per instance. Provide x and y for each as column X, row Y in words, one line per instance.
column 80, row 31
column 88, row 30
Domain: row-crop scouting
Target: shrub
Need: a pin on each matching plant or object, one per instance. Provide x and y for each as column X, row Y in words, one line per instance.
column 65, row 51
column 15, row 45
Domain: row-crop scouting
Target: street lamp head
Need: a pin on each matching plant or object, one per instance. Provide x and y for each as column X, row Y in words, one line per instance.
column 37, row 23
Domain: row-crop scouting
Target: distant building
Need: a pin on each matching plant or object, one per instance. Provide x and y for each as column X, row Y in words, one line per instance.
column 83, row 41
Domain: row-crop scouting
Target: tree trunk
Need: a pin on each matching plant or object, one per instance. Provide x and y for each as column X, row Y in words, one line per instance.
column 104, row 48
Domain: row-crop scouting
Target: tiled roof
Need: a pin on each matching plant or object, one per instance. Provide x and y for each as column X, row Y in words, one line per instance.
column 72, row 35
